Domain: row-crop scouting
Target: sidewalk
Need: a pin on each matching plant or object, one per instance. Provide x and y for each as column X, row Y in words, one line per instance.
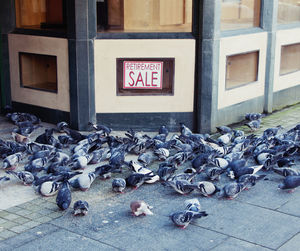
column 263, row 218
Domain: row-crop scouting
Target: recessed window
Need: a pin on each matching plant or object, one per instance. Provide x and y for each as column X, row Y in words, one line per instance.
column 288, row 11
column 144, row 15
column 145, row 76
column 290, row 58
column 38, row 71
column 240, row 14
column 241, row 69
column 40, row 14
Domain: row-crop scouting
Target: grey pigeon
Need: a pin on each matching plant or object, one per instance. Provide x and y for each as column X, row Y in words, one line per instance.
column 205, row 188
column 118, row 184
column 26, row 177
column 64, row 197
column 231, row 190
column 11, row 161
column 180, row 186
column 183, row 218
column 254, row 124
column 80, row 208
column 290, row 183
column 3, row 179
column 286, row 171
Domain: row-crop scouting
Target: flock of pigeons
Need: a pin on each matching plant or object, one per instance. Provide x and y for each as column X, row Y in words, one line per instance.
column 52, row 170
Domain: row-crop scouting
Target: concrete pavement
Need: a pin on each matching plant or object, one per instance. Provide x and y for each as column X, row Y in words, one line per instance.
column 263, row 218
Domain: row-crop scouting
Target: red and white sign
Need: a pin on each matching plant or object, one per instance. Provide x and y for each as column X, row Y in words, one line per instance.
column 142, row 75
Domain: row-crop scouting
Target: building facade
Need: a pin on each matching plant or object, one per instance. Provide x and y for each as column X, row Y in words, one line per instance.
column 143, row 63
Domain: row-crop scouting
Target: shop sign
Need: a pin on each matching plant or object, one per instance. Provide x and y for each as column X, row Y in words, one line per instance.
column 142, row 75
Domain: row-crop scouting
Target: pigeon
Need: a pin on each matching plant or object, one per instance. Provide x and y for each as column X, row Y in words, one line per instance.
column 163, row 130
column 138, row 168
column 26, row 177
column 85, row 180
column 82, row 161
column 185, row 131
column 247, row 170
column 290, row 183
column 118, row 185
column 3, row 179
column 64, row 197
column 225, row 139
column 140, row 207
column 80, row 208
column 61, row 126
column 20, row 138
column 165, row 171
column 213, row 173
column 205, row 188
column 137, row 179
column 231, row 190
column 104, row 129
column 253, row 116
column 223, row 129
column 192, row 205
column 180, row 186
column 249, row 180
column 286, row 171
column 287, row 162
column 183, row 218
column 11, row 161
column 254, row 124
column 48, row 188
column 162, row 153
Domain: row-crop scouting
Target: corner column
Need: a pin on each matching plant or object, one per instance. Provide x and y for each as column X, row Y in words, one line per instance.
column 269, row 24
column 8, row 23
column 81, row 18
column 207, row 65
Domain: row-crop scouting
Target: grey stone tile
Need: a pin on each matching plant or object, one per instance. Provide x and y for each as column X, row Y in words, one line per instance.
column 232, row 244
column 248, row 222
column 29, row 235
column 266, row 194
column 64, row 240
column 292, row 244
column 158, row 233
column 292, row 206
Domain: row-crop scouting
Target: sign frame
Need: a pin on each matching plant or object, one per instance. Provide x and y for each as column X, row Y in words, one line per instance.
column 167, row 77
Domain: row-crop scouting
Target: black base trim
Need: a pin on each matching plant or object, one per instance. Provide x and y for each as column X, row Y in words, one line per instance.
column 286, row 97
column 45, row 114
column 145, row 121
column 236, row 113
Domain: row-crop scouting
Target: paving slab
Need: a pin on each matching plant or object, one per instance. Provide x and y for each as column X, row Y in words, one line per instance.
column 250, row 223
column 292, row 244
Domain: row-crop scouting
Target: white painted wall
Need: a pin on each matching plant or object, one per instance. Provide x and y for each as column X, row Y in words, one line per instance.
column 106, row 52
column 238, row 45
column 285, row 37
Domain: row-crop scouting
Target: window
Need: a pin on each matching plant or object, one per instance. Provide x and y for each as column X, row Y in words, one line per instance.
column 288, row 11
column 38, row 71
column 240, row 14
column 40, row 14
column 290, row 59
column 241, row 69
column 144, row 15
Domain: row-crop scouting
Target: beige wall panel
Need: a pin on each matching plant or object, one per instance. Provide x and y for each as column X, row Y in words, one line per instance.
column 238, row 45
column 285, row 37
column 106, row 52
column 40, row 45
